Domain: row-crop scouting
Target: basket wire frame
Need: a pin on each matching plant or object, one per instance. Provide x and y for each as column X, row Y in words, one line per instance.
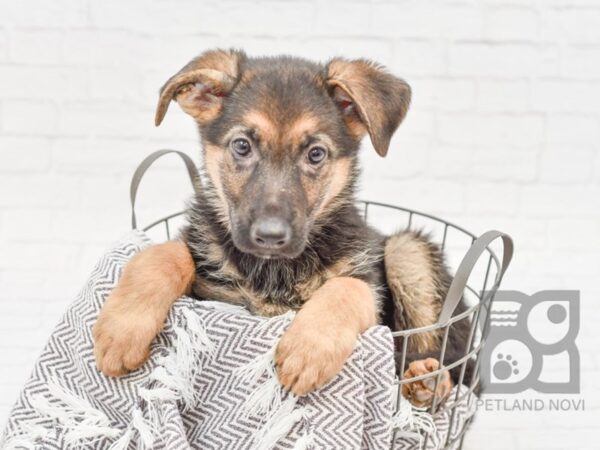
column 478, row 313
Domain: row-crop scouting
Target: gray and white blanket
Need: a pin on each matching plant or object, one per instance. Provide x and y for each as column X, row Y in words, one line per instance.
column 210, row 383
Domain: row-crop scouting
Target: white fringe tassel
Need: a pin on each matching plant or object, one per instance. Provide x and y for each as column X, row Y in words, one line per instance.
column 175, row 374
column 266, row 396
column 143, row 429
column 269, row 400
column 411, row 422
column 28, row 434
column 179, row 368
column 76, row 417
column 79, row 420
column 279, row 424
column 303, row 442
column 123, row 442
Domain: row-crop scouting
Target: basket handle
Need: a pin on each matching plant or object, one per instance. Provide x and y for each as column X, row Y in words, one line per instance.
column 459, row 282
column 143, row 167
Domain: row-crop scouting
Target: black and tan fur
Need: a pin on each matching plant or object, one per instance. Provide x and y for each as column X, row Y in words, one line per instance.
column 341, row 275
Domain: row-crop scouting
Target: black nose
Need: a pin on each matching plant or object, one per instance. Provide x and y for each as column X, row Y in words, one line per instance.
column 270, row 233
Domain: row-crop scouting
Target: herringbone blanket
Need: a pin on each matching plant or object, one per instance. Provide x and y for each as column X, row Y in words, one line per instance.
column 210, row 384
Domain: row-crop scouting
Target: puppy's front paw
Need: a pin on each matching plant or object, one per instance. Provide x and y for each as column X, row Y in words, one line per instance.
column 420, row 393
column 122, row 341
column 309, row 355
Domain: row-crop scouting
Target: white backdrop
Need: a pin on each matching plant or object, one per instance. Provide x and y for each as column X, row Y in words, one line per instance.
column 503, row 133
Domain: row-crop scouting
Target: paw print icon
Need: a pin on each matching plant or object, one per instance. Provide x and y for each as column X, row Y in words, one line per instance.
column 530, row 343
column 505, row 367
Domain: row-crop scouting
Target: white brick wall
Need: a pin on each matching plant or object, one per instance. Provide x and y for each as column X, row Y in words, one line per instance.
column 503, row 133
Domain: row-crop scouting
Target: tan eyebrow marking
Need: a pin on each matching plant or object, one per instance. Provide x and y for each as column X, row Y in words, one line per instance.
column 266, row 128
column 305, row 124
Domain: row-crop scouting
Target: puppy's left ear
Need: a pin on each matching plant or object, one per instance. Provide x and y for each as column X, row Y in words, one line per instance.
column 370, row 98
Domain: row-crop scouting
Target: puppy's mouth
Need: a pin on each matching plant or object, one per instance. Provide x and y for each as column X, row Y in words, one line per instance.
column 268, row 254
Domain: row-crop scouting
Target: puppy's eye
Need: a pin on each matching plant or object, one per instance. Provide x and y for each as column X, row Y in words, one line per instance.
column 241, row 147
column 316, row 155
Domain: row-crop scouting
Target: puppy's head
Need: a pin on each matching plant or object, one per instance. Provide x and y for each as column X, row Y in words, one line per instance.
column 280, row 137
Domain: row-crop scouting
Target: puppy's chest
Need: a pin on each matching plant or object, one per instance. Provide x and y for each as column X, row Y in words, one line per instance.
column 265, row 291
column 258, row 296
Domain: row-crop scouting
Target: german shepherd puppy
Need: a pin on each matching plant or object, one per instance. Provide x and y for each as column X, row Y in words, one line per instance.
column 275, row 226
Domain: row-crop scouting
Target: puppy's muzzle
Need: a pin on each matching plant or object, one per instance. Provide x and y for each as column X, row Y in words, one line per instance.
column 270, row 234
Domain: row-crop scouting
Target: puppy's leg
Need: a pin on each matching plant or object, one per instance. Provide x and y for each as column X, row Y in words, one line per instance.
column 136, row 309
column 323, row 334
column 418, row 280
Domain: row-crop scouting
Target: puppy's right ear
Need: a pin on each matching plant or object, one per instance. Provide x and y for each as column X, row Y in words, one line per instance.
column 200, row 86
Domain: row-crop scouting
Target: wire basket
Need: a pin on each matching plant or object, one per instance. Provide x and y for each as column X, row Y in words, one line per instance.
column 477, row 273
